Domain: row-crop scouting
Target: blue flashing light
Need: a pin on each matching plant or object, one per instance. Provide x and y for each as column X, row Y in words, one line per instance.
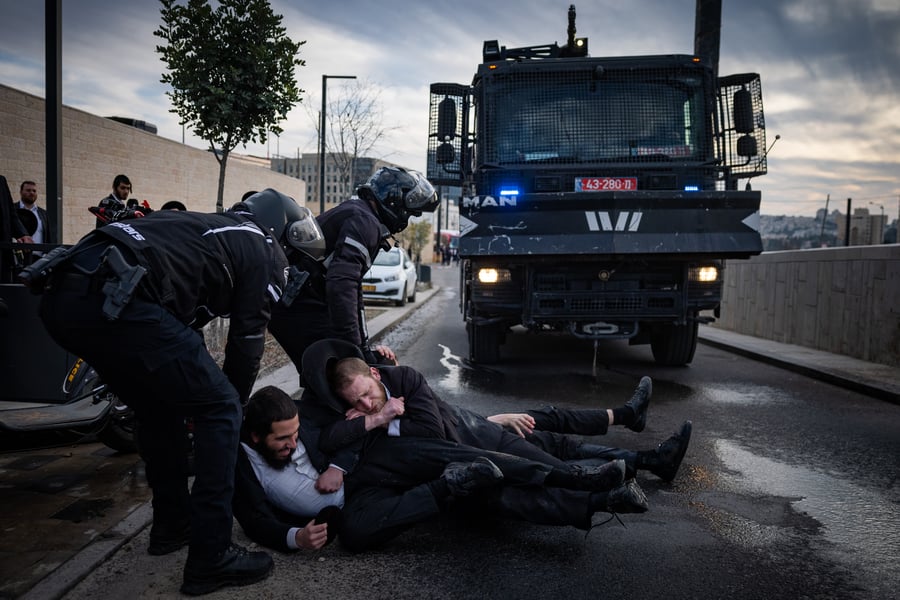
column 509, row 192
column 692, row 188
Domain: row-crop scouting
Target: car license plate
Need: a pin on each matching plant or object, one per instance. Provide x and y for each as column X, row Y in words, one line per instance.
column 605, row 184
column 368, row 288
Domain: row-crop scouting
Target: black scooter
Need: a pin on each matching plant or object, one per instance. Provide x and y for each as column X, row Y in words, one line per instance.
column 43, row 387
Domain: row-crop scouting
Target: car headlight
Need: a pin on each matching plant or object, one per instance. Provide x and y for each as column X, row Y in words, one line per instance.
column 392, row 277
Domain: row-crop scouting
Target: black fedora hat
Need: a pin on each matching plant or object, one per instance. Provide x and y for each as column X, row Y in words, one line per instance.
column 316, row 361
column 28, row 220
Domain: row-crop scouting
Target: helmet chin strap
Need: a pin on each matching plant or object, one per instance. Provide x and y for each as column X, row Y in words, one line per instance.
column 385, row 245
column 383, row 235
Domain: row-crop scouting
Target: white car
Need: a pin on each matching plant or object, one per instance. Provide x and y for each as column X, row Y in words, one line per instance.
column 392, row 277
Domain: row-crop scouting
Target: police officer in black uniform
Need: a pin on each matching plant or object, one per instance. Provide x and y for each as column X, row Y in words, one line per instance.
column 331, row 306
column 130, row 298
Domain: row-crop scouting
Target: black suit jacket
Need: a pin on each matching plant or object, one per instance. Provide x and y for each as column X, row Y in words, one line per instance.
column 10, row 228
column 262, row 521
column 49, row 234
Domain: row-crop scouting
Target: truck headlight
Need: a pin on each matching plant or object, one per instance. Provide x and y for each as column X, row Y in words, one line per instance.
column 491, row 275
column 704, row 274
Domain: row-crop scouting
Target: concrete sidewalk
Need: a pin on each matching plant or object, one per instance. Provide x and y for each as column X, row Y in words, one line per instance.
column 872, row 379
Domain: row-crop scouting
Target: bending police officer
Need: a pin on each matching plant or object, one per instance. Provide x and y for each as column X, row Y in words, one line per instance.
column 130, row 298
column 354, row 231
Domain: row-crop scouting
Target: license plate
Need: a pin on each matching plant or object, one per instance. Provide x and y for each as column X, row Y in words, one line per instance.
column 368, row 288
column 605, row 184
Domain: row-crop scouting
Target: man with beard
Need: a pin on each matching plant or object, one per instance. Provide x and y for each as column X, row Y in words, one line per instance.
column 279, row 499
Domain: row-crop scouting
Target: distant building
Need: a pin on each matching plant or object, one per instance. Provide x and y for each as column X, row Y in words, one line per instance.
column 338, row 185
column 865, row 229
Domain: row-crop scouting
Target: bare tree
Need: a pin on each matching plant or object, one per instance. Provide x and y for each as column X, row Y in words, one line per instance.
column 354, row 127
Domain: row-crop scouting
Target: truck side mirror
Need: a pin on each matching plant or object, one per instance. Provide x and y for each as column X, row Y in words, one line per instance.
column 746, row 146
column 742, row 111
column 446, row 128
column 445, row 154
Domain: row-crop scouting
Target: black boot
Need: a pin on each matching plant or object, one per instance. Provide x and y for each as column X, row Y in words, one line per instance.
column 462, row 477
column 666, row 459
column 639, row 403
column 234, row 566
column 626, row 498
column 601, row 478
column 167, row 537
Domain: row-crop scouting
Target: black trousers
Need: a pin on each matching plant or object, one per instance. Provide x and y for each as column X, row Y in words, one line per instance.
column 297, row 328
column 388, row 492
column 552, row 430
column 161, row 368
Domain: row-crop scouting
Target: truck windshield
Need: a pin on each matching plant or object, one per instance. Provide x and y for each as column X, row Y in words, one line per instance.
column 572, row 117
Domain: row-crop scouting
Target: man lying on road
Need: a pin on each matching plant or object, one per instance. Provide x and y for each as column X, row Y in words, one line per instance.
column 283, row 482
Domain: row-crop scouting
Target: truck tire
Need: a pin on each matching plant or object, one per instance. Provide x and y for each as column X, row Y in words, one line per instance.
column 674, row 345
column 484, row 344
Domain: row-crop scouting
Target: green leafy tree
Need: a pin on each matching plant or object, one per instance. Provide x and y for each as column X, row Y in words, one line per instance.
column 415, row 237
column 231, row 69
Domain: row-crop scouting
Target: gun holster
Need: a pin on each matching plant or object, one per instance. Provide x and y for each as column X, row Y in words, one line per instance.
column 122, row 281
column 293, row 287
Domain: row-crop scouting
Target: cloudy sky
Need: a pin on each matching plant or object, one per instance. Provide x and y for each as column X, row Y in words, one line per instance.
column 830, row 71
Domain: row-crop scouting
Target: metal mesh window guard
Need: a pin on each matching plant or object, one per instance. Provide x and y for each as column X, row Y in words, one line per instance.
column 579, row 117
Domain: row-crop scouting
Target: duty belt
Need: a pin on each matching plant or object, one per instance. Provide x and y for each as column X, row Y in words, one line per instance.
column 77, row 283
column 114, row 277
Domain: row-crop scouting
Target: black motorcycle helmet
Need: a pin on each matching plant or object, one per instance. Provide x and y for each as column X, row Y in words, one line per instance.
column 291, row 224
column 398, row 194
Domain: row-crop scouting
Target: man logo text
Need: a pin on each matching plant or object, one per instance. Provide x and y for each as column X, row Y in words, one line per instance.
column 485, row 201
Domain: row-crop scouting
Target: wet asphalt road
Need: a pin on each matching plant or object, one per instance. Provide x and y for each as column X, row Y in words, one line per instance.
column 789, row 489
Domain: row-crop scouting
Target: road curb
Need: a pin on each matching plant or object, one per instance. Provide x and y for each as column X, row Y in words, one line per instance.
column 872, row 379
column 69, row 574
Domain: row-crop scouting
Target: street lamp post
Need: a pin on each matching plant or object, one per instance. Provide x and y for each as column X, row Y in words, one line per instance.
column 325, row 79
column 881, row 222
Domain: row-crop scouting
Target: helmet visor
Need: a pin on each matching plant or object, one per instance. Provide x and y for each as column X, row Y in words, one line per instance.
column 421, row 198
column 305, row 234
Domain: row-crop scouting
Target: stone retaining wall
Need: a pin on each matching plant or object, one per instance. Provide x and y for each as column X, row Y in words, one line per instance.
column 840, row 300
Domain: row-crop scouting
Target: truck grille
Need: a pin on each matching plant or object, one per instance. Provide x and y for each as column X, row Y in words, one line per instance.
column 579, row 293
column 548, row 305
column 497, row 294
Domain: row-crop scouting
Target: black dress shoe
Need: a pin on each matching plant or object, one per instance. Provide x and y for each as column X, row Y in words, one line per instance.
column 666, row 459
column 627, row 498
column 235, row 566
column 166, row 538
column 462, row 478
column 601, row 478
column 639, row 403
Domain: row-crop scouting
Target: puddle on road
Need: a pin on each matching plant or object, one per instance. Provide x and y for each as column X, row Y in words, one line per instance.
column 755, row 395
column 453, row 364
column 863, row 525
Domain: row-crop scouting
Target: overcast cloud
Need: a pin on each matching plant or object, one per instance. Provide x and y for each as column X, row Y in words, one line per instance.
column 830, row 71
